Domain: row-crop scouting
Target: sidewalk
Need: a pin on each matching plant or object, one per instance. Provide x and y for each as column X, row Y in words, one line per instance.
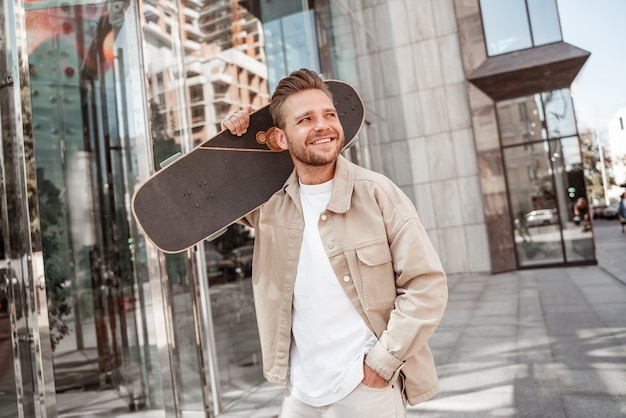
column 531, row 343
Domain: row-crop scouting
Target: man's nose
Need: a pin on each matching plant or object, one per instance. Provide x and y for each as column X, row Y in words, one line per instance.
column 321, row 124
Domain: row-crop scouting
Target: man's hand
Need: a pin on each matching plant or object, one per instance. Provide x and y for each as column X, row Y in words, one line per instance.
column 237, row 123
column 372, row 379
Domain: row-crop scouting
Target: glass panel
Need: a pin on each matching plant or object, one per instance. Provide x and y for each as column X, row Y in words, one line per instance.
column 229, row 266
column 184, row 348
column 521, row 120
column 291, row 45
column 506, row 26
column 13, row 309
column 545, row 178
column 559, row 112
column 171, row 133
column 232, row 72
column 81, row 71
column 534, row 204
column 25, row 345
column 8, row 278
column 577, row 227
column 544, row 21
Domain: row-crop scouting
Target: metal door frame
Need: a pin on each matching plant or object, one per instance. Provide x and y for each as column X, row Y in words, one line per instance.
column 34, row 375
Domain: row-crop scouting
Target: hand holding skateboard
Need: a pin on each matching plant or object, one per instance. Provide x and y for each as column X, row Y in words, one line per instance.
column 238, row 122
column 226, row 177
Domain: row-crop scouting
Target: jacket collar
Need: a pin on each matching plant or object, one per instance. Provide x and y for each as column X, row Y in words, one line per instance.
column 343, row 185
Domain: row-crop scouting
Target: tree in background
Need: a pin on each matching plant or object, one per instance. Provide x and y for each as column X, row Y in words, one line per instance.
column 593, row 167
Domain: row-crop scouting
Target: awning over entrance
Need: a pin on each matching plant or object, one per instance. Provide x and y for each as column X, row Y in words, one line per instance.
column 529, row 71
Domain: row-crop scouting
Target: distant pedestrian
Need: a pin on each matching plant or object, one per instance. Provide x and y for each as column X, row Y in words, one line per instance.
column 581, row 210
column 521, row 224
column 621, row 211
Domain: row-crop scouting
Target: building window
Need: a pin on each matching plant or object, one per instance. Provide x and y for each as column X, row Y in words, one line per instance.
column 512, row 25
column 543, row 165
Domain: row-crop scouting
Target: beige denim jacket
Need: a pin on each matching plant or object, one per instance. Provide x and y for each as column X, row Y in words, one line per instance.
column 383, row 258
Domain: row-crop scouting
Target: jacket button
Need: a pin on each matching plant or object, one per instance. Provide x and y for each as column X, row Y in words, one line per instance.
column 346, row 279
column 324, row 217
column 281, row 354
column 331, row 244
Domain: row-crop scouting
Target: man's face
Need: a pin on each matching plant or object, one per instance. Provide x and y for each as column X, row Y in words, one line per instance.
column 312, row 131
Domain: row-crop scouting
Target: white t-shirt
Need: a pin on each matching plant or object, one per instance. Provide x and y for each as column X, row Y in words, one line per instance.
column 330, row 338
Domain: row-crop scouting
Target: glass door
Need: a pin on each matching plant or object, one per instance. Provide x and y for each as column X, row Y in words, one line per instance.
column 83, row 129
column 543, row 165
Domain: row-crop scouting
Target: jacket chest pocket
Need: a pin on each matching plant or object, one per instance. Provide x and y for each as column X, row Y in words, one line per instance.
column 375, row 269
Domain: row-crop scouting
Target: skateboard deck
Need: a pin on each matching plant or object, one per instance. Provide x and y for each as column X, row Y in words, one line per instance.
column 225, row 178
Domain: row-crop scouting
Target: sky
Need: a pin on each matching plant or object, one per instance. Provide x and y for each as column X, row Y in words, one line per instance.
column 599, row 27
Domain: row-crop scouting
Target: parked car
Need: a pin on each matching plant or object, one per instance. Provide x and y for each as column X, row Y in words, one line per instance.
column 541, row 217
column 219, row 266
column 611, row 211
column 598, row 211
column 242, row 256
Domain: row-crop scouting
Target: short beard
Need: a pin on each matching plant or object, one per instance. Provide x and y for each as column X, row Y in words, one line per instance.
column 301, row 154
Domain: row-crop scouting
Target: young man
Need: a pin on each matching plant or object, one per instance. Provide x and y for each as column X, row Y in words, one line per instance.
column 347, row 285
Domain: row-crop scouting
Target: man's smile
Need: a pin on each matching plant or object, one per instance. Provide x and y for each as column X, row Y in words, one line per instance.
column 322, row 138
column 321, row 141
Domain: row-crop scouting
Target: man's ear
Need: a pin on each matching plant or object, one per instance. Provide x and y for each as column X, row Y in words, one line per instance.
column 281, row 138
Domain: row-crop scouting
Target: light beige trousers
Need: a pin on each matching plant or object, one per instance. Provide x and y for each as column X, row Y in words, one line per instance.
column 362, row 402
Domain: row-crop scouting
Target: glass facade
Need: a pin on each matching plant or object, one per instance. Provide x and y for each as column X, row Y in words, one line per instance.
column 83, row 74
column 512, row 25
column 544, row 173
column 115, row 89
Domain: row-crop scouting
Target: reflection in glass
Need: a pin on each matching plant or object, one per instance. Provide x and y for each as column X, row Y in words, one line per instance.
column 229, row 268
column 577, row 231
column 533, row 204
column 18, row 365
column 519, row 24
column 559, row 112
column 521, row 120
column 171, row 133
column 86, row 168
column 536, row 117
column 544, row 21
column 545, row 179
column 291, row 44
column 506, row 26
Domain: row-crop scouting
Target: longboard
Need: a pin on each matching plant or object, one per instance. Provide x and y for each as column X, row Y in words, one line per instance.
column 225, row 178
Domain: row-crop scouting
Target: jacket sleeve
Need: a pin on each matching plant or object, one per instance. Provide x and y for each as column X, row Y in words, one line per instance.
column 422, row 295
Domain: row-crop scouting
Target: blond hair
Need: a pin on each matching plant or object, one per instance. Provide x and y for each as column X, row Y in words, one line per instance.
column 295, row 82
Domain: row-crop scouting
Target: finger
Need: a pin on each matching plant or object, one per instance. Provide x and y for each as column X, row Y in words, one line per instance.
column 227, row 124
column 241, row 121
column 237, row 121
column 237, row 127
column 231, row 124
